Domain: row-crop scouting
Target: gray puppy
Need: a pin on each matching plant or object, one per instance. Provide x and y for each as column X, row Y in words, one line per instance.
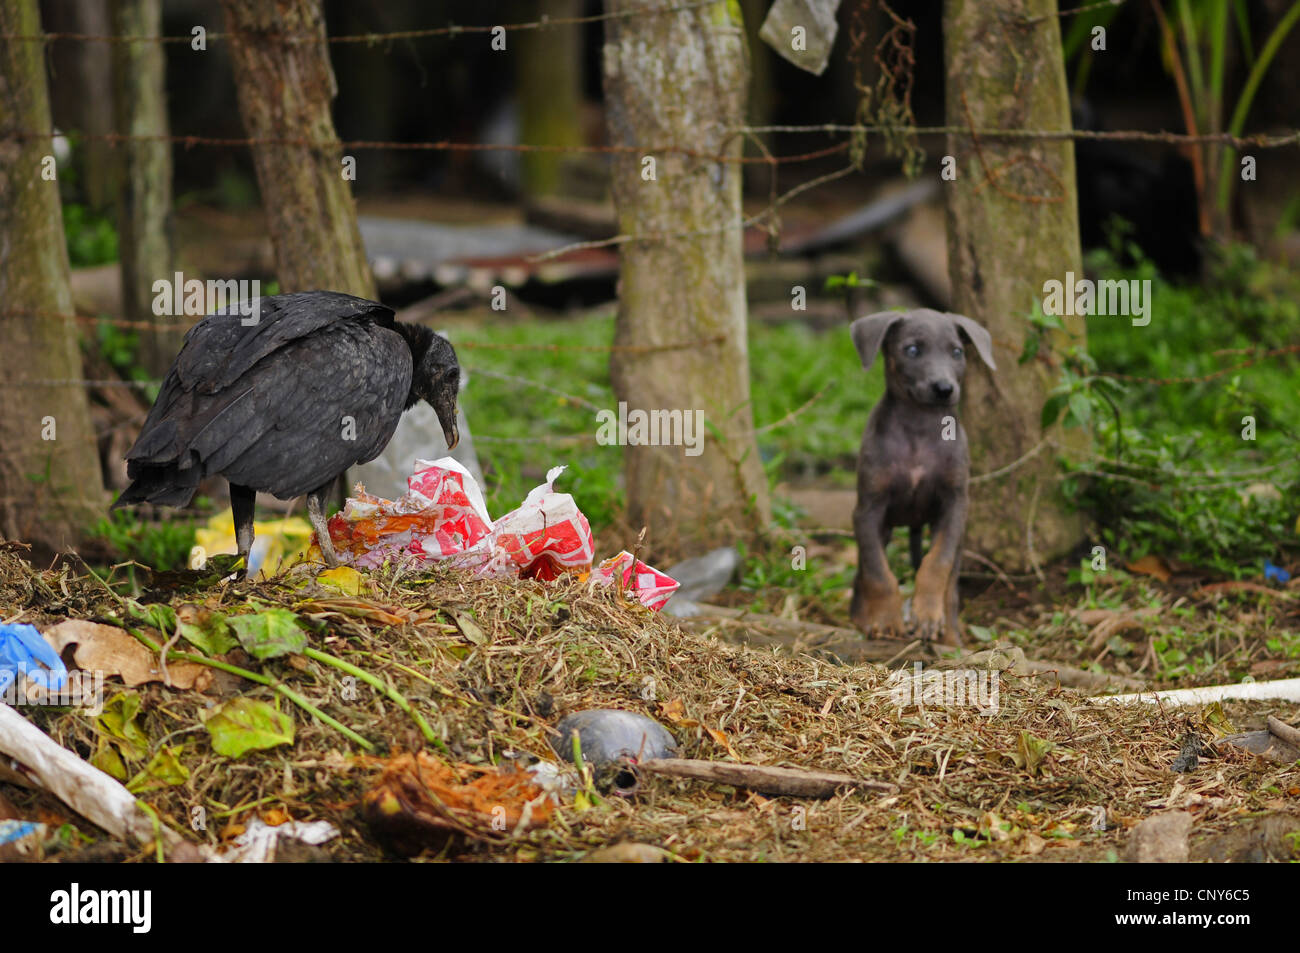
column 914, row 467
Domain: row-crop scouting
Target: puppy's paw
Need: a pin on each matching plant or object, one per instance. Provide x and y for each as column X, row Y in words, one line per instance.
column 879, row 617
column 929, row 615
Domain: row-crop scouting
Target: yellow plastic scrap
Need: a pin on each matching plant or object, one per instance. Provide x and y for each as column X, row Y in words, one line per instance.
column 286, row 540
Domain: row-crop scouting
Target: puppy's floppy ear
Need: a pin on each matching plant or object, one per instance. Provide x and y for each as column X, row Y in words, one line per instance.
column 978, row 336
column 869, row 332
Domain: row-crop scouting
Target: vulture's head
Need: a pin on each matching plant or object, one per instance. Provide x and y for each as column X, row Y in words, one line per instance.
column 435, row 377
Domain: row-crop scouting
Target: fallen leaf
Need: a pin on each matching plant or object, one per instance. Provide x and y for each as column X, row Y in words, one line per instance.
column 248, row 724
column 674, row 710
column 205, row 629
column 468, row 627
column 108, row 649
column 164, row 768
column 360, row 609
column 343, row 578
column 1030, row 752
column 1151, row 565
column 269, row 634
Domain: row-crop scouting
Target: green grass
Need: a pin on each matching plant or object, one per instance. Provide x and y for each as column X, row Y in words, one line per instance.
column 790, row 365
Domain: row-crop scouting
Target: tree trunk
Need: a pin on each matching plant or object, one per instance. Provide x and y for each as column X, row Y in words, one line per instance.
column 50, row 485
column 1002, row 246
column 679, row 78
column 82, row 94
column 145, row 208
column 549, row 83
column 285, row 85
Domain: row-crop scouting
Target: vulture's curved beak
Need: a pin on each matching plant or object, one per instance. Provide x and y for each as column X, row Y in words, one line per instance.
column 452, row 435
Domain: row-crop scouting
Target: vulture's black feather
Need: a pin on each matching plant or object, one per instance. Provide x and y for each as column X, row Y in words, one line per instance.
column 286, row 403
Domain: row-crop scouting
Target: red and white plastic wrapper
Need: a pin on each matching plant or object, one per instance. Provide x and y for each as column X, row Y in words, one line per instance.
column 651, row 586
column 442, row 516
column 542, row 539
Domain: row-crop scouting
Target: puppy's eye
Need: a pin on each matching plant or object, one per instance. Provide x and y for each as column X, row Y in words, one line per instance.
column 912, row 350
column 957, row 352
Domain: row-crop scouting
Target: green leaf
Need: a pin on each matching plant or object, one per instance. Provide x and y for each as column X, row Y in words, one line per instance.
column 160, row 616
column 206, row 631
column 109, row 760
column 1081, row 407
column 1030, row 752
column 118, row 720
column 269, row 634
column 1052, row 409
column 247, row 724
column 164, row 768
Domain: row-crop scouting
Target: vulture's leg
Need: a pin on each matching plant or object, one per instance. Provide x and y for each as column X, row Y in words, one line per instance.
column 242, row 503
column 316, row 513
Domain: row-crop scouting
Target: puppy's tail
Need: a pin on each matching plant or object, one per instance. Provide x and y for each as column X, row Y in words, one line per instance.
column 914, row 541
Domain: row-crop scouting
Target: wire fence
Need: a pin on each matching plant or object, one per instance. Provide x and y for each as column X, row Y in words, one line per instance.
column 854, row 133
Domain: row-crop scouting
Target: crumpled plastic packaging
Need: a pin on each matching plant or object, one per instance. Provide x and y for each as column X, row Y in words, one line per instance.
column 23, row 650
column 442, row 516
column 651, row 586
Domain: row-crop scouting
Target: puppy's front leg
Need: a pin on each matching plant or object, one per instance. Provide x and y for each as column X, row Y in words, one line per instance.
column 877, row 604
column 935, row 580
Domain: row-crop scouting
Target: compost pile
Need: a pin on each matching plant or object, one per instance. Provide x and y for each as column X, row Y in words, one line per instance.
column 442, row 686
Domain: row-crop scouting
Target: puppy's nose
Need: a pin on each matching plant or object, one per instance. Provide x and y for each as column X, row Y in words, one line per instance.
column 941, row 389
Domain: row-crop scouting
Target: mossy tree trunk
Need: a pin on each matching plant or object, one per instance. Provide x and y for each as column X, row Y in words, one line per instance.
column 285, row 84
column 680, row 78
column 145, row 206
column 548, row 82
column 1002, row 247
column 51, row 489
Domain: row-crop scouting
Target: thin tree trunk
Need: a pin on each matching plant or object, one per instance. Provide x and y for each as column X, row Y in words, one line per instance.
column 81, row 95
column 51, row 489
column 679, row 78
column 145, row 207
column 285, row 85
column 549, row 86
column 1005, row 239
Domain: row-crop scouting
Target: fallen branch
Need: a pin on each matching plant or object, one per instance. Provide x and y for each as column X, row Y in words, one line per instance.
column 85, row 789
column 1287, row 689
column 1281, row 729
column 795, row 782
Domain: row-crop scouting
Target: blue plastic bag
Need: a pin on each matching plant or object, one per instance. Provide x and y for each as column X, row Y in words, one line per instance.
column 23, row 650
column 1276, row 573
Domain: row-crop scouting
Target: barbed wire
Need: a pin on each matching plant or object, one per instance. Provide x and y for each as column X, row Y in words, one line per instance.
column 128, row 324
column 1256, row 140
column 373, row 39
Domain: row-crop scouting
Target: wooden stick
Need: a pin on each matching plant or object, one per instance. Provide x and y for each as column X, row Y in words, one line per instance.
column 1284, row 731
column 796, row 782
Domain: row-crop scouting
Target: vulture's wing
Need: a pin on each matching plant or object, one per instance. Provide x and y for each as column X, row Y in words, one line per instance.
column 279, row 424
column 221, row 347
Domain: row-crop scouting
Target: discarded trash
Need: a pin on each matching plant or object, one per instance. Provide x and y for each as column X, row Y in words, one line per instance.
column 22, row 650
column 700, row 578
column 442, row 516
column 420, row 802
column 286, row 541
column 21, row 840
column 258, row 843
column 546, row 536
column 651, row 586
column 610, row 734
column 1276, row 573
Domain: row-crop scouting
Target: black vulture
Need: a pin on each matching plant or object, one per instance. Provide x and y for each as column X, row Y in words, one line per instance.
column 285, row 400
